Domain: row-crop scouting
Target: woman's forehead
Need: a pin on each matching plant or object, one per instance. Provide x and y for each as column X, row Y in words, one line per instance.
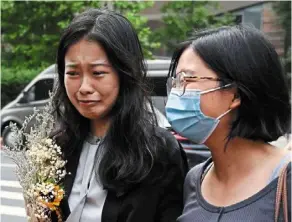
column 192, row 62
column 84, row 49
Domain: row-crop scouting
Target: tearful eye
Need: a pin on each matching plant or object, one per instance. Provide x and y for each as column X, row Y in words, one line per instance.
column 71, row 73
column 99, row 73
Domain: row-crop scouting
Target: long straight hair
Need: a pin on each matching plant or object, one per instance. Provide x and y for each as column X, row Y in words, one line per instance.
column 130, row 147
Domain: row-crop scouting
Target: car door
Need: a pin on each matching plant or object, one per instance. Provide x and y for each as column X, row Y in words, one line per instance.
column 36, row 96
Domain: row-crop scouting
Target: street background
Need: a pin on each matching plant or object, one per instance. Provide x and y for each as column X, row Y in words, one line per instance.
column 30, row 31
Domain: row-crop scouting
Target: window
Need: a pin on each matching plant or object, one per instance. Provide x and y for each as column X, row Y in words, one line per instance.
column 253, row 15
column 158, row 92
column 238, row 19
column 40, row 90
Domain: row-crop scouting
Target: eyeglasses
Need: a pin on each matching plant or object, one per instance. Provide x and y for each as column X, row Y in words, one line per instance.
column 183, row 78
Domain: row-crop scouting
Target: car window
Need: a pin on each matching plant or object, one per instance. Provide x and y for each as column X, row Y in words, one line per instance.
column 157, row 86
column 40, row 90
column 158, row 92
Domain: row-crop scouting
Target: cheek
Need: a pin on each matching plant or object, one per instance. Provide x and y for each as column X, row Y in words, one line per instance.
column 214, row 104
column 71, row 88
column 111, row 89
column 112, row 94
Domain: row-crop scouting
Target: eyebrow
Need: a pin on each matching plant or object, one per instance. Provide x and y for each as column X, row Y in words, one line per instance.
column 93, row 64
column 187, row 70
column 71, row 64
column 100, row 63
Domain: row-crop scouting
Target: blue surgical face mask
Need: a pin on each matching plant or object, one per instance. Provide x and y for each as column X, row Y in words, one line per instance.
column 186, row 117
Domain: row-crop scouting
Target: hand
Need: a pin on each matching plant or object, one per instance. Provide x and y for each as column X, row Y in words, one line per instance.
column 31, row 215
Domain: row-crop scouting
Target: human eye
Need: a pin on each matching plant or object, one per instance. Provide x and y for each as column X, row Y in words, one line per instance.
column 72, row 73
column 191, row 78
column 99, row 73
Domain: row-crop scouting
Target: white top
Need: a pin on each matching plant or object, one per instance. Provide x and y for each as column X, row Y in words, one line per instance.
column 87, row 197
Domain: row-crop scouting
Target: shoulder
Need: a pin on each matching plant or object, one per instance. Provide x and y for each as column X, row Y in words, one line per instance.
column 168, row 140
column 191, row 182
column 163, row 132
column 289, row 175
column 288, row 185
column 195, row 173
column 170, row 161
column 169, row 149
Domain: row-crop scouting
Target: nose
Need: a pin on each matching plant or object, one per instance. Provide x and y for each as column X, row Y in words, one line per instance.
column 86, row 86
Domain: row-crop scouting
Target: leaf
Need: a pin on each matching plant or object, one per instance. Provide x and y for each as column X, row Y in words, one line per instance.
column 181, row 18
column 33, row 38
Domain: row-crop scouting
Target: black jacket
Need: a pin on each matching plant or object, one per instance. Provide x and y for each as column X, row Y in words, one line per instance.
column 159, row 202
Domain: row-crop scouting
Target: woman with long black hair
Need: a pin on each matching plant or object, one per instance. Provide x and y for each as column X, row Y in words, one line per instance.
column 122, row 166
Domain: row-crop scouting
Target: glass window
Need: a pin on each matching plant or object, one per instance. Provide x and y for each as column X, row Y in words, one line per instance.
column 238, row 19
column 253, row 15
column 40, row 90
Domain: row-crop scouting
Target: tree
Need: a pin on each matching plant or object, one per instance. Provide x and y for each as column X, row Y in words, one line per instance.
column 132, row 11
column 283, row 10
column 181, row 18
column 31, row 29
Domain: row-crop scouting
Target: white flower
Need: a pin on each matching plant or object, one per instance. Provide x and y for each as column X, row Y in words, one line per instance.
column 39, row 164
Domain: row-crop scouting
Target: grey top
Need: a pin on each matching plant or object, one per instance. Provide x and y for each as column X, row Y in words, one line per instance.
column 259, row 207
column 87, row 197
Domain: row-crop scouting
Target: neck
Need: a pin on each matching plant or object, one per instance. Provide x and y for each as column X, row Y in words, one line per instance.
column 239, row 158
column 99, row 127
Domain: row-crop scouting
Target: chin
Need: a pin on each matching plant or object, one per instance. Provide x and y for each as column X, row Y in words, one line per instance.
column 93, row 116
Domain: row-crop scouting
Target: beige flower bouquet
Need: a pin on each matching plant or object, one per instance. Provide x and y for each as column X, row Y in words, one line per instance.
column 40, row 166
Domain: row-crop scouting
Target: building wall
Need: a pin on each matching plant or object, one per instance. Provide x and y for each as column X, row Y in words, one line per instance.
column 229, row 6
column 262, row 17
column 259, row 14
column 272, row 28
column 154, row 13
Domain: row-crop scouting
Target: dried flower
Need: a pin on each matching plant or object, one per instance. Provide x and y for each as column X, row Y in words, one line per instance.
column 40, row 165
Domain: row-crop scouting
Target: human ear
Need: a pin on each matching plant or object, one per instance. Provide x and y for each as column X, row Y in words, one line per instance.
column 236, row 101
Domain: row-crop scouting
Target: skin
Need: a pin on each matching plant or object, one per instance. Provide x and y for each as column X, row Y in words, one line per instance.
column 245, row 167
column 90, row 77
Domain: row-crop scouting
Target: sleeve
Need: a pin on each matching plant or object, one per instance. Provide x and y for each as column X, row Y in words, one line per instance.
column 170, row 205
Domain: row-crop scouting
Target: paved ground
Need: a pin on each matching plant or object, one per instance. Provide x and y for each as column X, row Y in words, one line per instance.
column 11, row 203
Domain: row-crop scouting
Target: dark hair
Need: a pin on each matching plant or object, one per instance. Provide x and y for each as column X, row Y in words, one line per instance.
column 243, row 56
column 129, row 148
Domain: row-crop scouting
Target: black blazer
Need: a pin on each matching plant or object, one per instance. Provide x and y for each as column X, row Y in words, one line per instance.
column 159, row 202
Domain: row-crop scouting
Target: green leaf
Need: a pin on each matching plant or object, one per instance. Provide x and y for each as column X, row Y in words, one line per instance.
column 181, row 18
column 37, row 26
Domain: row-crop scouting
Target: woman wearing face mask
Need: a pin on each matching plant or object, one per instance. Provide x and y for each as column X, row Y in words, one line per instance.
column 228, row 91
column 122, row 167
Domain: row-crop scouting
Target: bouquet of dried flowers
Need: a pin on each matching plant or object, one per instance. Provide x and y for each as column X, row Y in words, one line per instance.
column 40, row 166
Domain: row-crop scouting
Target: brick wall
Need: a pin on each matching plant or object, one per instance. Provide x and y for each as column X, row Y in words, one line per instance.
column 272, row 28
